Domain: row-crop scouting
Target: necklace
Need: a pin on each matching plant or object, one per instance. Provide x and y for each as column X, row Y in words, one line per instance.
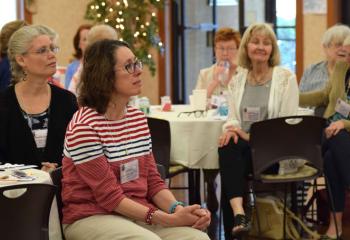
column 253, row 80
column 126, row 127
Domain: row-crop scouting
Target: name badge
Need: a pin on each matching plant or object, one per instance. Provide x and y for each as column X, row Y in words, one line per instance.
column 40, row 136
column 129, row 171
column 251, row 114
column 342, row 108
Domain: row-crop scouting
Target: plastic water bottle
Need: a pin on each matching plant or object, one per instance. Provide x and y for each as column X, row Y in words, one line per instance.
column 144, row 105
column 223, row 109
column 224, row 74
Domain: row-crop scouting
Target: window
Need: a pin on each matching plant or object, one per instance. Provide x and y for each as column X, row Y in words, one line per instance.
column 286, row 33
column 9, row 11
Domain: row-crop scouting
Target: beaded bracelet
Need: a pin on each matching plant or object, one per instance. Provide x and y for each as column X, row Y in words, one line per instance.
column 149, row 215
column 174, row 205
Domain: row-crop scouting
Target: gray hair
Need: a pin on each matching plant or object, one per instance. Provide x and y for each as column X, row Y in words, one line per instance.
column 336, row 34
column 346, row 41
column 101, row 32
column 266, row 30
column 19, row 44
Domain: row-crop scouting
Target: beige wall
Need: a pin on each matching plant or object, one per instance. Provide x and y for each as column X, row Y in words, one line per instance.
column 314, row 27
column 65, row 16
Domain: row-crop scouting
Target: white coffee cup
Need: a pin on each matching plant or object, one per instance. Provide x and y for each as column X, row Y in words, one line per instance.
column 199, row 98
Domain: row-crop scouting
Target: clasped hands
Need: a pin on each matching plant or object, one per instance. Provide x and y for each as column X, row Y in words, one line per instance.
column 48, row 167
column 194, row 216
column 232, row 132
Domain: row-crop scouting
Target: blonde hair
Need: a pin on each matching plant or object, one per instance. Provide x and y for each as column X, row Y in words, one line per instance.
column 101, row 32
column 19, row 44
column 262, row 28
column 336, row 33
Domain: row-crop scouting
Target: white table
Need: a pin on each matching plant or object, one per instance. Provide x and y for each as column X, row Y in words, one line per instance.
column 194, row 141
column 41, row 177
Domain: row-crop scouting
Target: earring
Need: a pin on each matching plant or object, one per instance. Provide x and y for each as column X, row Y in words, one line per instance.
column 24, row 75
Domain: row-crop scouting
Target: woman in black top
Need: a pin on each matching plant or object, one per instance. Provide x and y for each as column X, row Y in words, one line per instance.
column 34, row 114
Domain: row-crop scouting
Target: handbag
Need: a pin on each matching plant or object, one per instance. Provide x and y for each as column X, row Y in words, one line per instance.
column 270, row 213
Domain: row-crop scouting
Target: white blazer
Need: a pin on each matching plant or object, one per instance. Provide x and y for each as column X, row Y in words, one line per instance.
column 283, row 99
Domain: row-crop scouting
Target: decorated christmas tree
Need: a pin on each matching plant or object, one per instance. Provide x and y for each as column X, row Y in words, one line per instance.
column 135, row 21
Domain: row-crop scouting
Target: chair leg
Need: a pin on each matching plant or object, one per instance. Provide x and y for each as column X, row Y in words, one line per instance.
column 169, row 183
column 220, row 221
column 254, row 209
column 284, row 212
column 331, row 200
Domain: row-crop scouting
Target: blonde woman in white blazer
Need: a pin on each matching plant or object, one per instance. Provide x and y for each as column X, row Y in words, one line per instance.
column 261, row 91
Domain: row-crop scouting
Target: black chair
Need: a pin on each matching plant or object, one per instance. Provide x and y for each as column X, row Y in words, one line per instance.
column 26, row 216
column 56, row 177
column 161, row 143
column 295, row 137
column 161, row 170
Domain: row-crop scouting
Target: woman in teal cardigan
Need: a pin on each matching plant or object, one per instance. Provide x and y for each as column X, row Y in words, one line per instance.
column 336, row 152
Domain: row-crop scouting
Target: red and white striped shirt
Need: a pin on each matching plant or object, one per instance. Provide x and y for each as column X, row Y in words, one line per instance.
column 94, row 150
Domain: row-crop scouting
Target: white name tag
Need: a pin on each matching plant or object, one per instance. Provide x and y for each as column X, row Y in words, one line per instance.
column 129, row 171
column 40, row 136
column 342, row 108
column 251, row 114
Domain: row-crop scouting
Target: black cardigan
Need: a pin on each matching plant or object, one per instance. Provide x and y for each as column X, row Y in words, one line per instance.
column 17, row 144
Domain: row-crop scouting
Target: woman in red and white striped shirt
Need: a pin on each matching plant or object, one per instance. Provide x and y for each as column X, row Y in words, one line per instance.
column 111, row 186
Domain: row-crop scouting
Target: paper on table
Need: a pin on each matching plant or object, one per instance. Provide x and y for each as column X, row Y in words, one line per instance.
column 10, row 178
column 16, row 166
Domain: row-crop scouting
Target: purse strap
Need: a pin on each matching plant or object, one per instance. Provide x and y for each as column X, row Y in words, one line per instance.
column 292, row 230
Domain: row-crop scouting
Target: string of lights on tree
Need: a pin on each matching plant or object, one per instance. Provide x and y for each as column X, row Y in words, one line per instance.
column 135, row 21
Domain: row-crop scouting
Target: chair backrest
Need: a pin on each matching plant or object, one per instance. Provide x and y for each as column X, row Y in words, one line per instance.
column 25, row 210
column 56, row 177
column 161, row 141
column 161, row 171
column 295, row 137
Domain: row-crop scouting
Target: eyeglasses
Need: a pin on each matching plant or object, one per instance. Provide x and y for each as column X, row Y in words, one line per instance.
column 131, row 67
column 196, row 113
column 45, row 50
column 335, row 45
column 229, row 50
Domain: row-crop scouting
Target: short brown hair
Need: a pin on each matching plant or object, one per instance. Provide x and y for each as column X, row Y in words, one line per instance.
column 76, row 40
column 6, row 32
column 98, row 76
column 265, row 29
column 227, row 34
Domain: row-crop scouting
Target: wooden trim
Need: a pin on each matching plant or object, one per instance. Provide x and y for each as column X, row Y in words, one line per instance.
column 333, row 12
column 165, row 63
column 161, row 57
column 28, row 16
column 299, row 58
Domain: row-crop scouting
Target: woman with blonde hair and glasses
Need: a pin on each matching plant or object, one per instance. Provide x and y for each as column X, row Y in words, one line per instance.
column 34, row 114
column 262, row 90
column 111, row 186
